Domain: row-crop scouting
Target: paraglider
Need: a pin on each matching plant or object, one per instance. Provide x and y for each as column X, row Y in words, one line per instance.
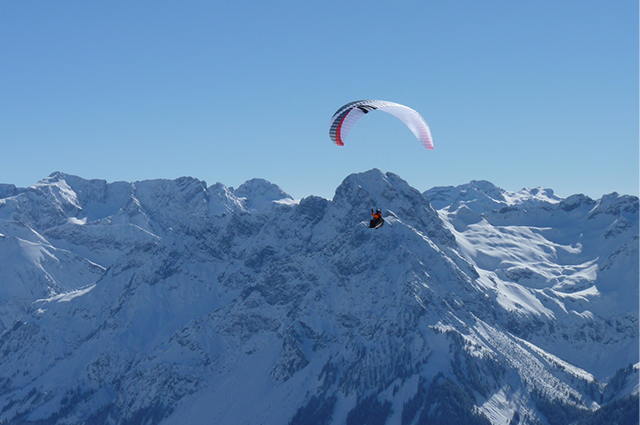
column 377, row 221
column 344, row 119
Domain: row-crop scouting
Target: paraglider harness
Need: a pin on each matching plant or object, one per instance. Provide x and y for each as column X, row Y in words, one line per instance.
column 377, row 221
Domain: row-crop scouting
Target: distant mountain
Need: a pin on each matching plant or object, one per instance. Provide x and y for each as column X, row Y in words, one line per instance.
column 170, row 301
column 483, row 196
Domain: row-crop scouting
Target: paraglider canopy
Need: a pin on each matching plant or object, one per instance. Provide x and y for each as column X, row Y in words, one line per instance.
column 344, row 119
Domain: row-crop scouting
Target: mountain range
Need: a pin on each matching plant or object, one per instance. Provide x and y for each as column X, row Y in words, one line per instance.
column 175, row 302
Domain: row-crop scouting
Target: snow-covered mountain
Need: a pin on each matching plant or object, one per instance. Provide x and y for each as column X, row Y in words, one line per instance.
column 175, row 302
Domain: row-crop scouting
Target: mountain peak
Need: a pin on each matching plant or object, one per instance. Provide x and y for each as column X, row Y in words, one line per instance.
column 618, row 205
column 55, row 176
column 373, row 186
column 483, row 196
column 477, row 195
column 534, row 195
column 259, row 194
column 8, row 190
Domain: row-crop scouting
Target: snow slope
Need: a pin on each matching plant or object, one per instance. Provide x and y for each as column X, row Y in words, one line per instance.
column 552, row 261
column 176, row 302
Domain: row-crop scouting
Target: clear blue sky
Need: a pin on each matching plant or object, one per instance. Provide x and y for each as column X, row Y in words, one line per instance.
column 523, row 94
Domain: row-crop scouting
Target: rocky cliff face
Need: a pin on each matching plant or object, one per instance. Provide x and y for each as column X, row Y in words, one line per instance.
column 170, row 301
